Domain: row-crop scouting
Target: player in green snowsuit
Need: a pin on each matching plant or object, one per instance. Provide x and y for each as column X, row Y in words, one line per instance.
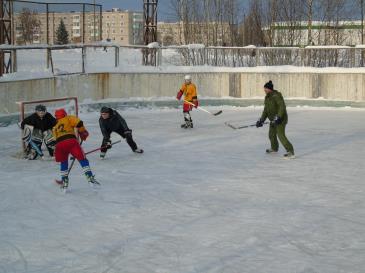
column 275, row 111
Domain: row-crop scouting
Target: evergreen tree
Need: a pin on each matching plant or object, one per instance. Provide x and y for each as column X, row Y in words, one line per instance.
column 62, row 34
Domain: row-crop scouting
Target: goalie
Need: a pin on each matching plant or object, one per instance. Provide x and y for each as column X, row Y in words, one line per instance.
column 37, row 128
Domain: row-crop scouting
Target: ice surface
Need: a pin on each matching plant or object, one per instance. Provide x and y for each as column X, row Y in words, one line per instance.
column 202, row 200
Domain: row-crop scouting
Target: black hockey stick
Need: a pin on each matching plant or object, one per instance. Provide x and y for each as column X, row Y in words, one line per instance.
column 243, row 126
column 102, row 147
column 202, row 109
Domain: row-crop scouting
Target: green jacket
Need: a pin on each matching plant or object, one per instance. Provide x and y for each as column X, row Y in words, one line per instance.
column 274, row 106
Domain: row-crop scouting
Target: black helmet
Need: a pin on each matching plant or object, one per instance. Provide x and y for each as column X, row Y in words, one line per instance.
column 41, row 108
column 105, row 109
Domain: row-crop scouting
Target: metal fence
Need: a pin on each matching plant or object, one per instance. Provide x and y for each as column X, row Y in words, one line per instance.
column 83, row 22
column 325, row 56
column 103, row 57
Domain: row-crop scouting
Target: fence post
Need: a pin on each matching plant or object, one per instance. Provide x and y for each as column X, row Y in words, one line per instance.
column 14, row 61
column 83, row 58
column 48, row 56
column 257, row 57
column 353, row 54
column 116, row 56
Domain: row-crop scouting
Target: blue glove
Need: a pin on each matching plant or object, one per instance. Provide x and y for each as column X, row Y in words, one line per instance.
column 259, row 123
column 277, row 120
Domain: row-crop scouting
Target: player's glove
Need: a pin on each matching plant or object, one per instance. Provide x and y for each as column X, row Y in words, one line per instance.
column 196, row 103
column 83, row 135
column 179, row 95
column 259, row 123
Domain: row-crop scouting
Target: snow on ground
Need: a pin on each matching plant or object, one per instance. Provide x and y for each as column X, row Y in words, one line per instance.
column 202, row 200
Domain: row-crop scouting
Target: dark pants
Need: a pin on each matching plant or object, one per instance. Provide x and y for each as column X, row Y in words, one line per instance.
column 278, row 131
column 127, row 135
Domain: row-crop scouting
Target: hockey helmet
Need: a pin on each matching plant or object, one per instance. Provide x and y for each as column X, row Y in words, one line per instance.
column 60, row 113
column 187, row 77
column 40, row 108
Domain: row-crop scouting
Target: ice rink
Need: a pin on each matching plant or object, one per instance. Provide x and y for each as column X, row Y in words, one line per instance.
column 202, row 200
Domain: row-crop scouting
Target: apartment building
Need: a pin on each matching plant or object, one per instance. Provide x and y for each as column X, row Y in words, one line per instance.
column 118, row 26
column 212, row 33
column 320, row 33
column 123, row 27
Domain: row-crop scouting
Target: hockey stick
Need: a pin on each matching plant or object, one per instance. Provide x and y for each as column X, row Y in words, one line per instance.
column 243, row 126
column 102, row 147
column 202, row 109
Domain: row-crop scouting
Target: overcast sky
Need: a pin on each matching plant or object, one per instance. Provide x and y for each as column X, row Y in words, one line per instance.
column 164, row 7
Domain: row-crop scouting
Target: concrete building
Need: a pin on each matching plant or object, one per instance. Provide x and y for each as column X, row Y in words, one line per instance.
column 121, row 27
column 322, row 33
column 193, row 33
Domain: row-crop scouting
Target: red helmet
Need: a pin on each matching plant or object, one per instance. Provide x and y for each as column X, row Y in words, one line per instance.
column 60, row 113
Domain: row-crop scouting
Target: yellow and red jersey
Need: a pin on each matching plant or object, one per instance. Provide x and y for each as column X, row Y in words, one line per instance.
column 65, row 128
column 189, row 91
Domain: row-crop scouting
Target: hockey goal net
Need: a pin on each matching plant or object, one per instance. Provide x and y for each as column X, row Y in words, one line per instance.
column 70, row 104
column 26, row 108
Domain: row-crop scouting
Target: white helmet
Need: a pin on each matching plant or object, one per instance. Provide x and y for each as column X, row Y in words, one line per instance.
column 187, row 77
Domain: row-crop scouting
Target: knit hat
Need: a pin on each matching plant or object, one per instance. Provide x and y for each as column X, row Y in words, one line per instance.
column 60, row 113
column 105, row 109
column 269, row 85
column 41, row 108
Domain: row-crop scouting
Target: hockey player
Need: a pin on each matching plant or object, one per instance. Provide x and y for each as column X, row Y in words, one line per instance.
column 275, row 110
column 42, row 123
column 67, row 143
column 111, row 121
column 188, row 89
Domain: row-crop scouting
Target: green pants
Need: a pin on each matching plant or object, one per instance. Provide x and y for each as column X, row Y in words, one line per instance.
column 278, row 131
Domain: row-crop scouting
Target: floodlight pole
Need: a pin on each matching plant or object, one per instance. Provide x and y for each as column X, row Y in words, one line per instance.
column 150, row 30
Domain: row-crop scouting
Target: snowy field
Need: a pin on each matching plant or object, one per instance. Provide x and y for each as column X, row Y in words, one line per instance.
column 202, row 200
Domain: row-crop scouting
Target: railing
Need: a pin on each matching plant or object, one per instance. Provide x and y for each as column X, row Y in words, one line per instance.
column 325, row 56
column 195, row 55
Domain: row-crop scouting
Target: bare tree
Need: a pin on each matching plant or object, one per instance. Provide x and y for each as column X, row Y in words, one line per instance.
column 253, row 28
column 211, row 22
column 290, row 15
column 29, row 25
column 333, row 12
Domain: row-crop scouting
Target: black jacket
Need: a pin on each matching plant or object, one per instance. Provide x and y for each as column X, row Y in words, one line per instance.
column 115, row 123
column 44, row 124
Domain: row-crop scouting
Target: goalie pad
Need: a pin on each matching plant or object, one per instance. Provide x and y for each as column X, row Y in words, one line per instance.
column 33, row 140
column 48, row 138
column 37, row 136
column 27, row 134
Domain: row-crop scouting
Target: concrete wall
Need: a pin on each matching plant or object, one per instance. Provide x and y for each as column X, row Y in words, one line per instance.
column 245, row 85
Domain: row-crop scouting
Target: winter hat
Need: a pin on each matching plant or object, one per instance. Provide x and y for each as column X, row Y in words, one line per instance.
column 105, row 109
column 269, row 85
column 60, row 113
column 41, row 108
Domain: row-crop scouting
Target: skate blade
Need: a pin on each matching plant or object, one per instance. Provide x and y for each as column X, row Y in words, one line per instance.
column 289, row 157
